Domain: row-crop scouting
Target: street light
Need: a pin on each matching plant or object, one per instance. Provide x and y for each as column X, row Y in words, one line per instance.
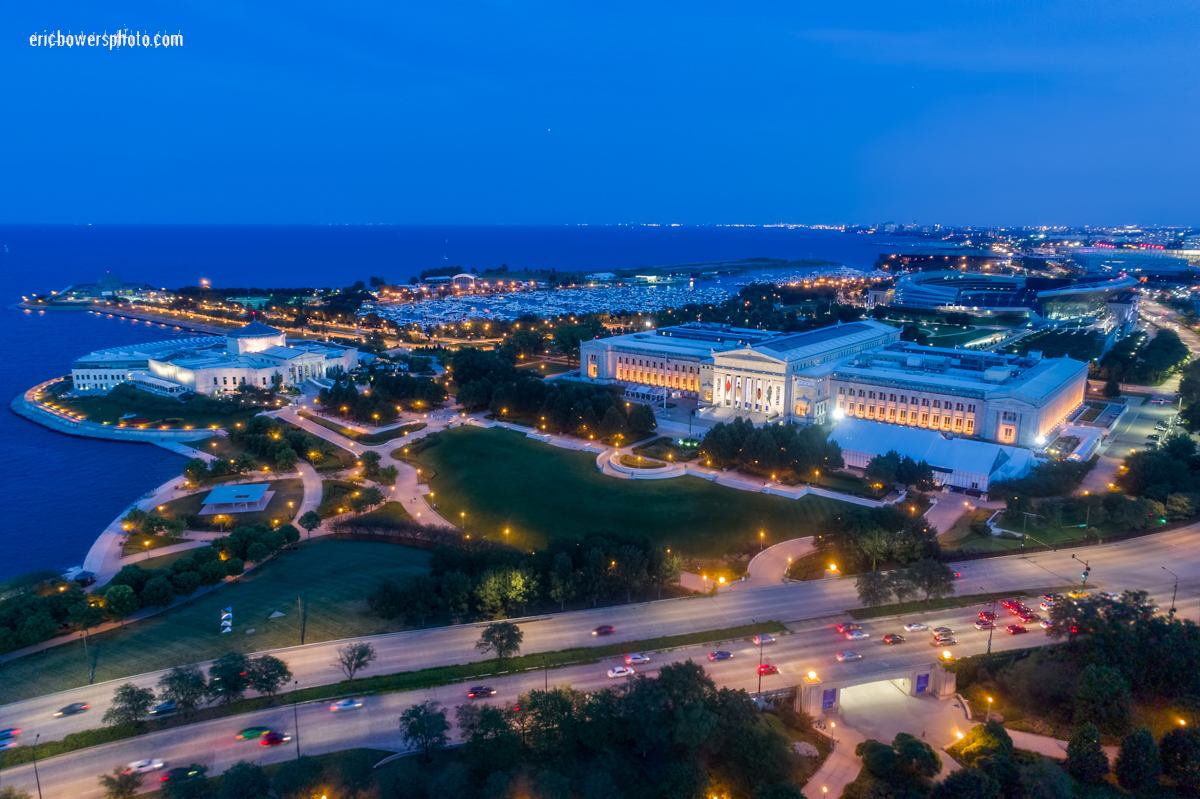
column 35, row 768
column 989, row 711
column 296, row 716
column 1174, row 591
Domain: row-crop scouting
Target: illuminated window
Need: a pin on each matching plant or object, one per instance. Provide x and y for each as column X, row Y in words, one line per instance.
column 924, row 416
column 970, row 426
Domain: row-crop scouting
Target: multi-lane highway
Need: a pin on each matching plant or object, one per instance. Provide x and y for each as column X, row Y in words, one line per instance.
column 813, row 645
column 1133, row 564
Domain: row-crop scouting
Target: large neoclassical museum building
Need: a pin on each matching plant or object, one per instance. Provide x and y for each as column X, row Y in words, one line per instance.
column 858, row 370
column 256, row 355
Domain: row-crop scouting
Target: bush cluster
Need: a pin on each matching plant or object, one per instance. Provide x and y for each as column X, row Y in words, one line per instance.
column 762, row 450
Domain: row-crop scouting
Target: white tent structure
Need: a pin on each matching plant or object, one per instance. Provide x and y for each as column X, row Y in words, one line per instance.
column 958, row 462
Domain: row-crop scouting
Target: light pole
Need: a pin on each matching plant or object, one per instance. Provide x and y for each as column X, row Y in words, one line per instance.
column 760, row 649
column 35, row 768
column 296, row 716
column 1174, row 591
column 1086, row 570
column 989, row 712
column 761, row 540
column 991, row 629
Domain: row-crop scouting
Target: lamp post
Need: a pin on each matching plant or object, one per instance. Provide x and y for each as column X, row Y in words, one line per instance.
column 1174, row 591
column 296, row 716
column 761, row 540
column 989, row 711
column 760, row 649
column 35, row 768
column 991, row 629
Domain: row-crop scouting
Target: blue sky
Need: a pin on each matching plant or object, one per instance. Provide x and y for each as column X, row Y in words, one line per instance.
column 972, row 111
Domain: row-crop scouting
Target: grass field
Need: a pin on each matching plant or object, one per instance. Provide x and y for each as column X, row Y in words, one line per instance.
column 140, row 543
column 332, row 576
column 157, row 412
column 188, row 508
column 503, row 480
column 369, row 439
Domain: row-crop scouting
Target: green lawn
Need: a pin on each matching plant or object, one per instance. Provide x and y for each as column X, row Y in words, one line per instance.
column 502, row 479
column 954, row 339
column 332, row 576
column 188, row 508
column 369, row 439
column 155, row 411
column 140, row 543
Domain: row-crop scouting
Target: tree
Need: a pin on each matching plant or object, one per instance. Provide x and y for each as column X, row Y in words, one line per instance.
column 87, row 614
column 666, row 570
column 933, row 577
column 419, row 598
column 310, row 520
column 630, row 572
column 158, row 593
column 268, row 674
column 502, row 638
column 353, row 658
column 258, row 552
column 454, row 594
column 1179, row 752
column 641, row 420
column 425, row 727
column 1103, row 698
column 777, row 790
column 1112, row 389
column 1086, row 760
column 228, row 677
column 875, row 544
column 297, row 778
column 9, row 792
column 192, row 784
column 967, row 782
column 185, row 686
column 121, row 602
column 130, row 705
column 120, row 784
column 874, row 588
column 245, row 781
column 562, row 580
column 195, row 470
column 213, row 572
column 1137, row 764
column 1044, row 780
column 185, row 583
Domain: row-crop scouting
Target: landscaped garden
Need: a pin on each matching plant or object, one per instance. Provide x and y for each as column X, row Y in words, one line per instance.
column 502, row 480
column 134, row 407
column 367, row 439
column 329, row 575
column 666, row 448
column 281, row 508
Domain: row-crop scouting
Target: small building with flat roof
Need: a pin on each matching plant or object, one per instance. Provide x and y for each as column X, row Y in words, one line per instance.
column 237, row 499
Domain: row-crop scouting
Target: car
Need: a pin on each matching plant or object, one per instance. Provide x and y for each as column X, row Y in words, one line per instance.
column 165, row 709
column 252, row 732
column 1045, row 624
column 984, row 624
column 762, row 640
column 481, row 692
column 1017, row 610
column 1047, row 604
column 767, row 668
column 1161, row 426
column 274, row 739
column 11, row 732
column 635, row 658
column 1153, row 437
column 857, row 635
column 620, row 671
column 72, row 709
column 346, row 704
column 721, row 655
column 846, row 657
column 144, row 766
column 914, row 626
column 8, row 743
column 942, row 631
column 1052, row 597
column 179, row 774
column 1078, row 594
column 987, row 615
column 1015, row 629
column 604, row 629
column 1028, row 617
column 893, row 639
column 945, row 640
column 846, row 627
column 1009, row 604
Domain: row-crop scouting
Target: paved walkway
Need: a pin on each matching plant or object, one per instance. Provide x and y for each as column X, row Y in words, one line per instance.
column 1049, row 747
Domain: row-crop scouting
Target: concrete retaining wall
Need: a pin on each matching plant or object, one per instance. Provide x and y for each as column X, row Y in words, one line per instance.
column 33, row 413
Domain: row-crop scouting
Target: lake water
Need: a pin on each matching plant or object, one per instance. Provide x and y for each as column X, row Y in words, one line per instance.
column 61, row 491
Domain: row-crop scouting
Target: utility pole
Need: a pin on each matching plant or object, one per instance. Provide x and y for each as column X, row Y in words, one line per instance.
column 760, row 649
column 991, row 629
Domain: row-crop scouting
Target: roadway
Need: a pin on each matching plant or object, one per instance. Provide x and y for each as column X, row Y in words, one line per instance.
column 812, row 645
column 1132, row 564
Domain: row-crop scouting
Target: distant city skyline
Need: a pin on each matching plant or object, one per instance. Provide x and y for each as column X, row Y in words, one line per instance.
column 1056, row 113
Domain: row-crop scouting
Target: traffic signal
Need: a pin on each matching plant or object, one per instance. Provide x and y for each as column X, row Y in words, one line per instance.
column 1085, row 574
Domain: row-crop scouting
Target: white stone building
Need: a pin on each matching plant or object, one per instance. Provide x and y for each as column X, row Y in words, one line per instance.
column 257, row 355
column 860, row 370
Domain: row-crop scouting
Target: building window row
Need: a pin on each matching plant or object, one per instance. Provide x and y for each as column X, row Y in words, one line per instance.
column 933, row 421
column 905, row 399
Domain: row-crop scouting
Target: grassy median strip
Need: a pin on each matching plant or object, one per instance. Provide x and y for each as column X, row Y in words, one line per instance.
column 966, row 600
column 390, row 683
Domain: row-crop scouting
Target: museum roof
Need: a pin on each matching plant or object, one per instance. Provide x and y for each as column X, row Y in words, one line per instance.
column 255, row 329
